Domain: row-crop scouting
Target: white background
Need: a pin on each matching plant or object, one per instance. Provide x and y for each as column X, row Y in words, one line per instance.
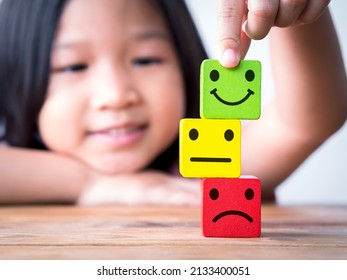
column 322, row 178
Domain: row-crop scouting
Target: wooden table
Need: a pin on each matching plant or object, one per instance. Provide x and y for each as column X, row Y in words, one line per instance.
column 70, row 232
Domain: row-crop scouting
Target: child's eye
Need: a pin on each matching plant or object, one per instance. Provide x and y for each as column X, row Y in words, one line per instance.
column 72, row 68
column 146, row 61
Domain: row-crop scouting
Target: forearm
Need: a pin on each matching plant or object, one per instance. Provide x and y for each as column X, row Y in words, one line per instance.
column 309, row 106
column 31, row 176
column 310, row 79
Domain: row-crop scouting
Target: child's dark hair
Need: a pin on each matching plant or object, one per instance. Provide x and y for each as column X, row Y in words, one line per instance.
column 27, row 30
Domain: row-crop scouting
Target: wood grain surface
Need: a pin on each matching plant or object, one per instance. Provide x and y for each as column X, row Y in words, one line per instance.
column 114, row 232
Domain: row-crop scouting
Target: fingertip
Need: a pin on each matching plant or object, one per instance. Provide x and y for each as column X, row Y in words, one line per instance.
column 230, row 58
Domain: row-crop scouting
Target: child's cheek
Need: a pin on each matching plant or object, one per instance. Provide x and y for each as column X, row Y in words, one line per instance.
column 58, row 124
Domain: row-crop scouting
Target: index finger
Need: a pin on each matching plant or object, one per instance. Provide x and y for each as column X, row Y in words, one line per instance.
column 230, row 15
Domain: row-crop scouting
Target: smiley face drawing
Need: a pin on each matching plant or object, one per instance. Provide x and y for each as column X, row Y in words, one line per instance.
column 231, row 207
column 230, row 93
column 210, row 148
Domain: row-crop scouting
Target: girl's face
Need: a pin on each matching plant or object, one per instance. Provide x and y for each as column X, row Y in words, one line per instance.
column 115, row 95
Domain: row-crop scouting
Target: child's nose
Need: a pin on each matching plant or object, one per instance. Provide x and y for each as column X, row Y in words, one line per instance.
column 114, row 90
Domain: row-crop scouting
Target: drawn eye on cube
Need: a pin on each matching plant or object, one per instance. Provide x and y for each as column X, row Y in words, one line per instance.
column 230, row 93
column 231, row 207
column 210, row 148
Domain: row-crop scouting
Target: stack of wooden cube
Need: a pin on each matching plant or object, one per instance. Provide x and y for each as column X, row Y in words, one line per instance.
column 210, row 149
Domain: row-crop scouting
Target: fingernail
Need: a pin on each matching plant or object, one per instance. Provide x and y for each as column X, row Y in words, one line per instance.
column 244, row 27
column 230, row 58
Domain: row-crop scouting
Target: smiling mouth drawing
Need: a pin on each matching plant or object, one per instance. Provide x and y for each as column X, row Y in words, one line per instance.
column 209, row 159
column 214, row 92
column 232, row 212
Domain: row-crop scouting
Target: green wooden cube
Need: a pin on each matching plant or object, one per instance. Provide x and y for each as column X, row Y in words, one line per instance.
column 230, row 93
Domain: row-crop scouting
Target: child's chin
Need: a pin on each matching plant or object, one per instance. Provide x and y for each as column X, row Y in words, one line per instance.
column 115, row 168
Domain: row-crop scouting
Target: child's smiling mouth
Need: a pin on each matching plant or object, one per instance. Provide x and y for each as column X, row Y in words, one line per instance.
column 118, row 136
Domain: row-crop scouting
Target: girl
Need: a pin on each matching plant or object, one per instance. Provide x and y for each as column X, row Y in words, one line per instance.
column 102, row 84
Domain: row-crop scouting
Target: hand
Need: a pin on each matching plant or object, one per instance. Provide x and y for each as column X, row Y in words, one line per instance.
column 242, row 20
column 142, row 188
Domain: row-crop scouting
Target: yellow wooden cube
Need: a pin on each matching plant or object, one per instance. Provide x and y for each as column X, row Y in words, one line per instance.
column 210, row 148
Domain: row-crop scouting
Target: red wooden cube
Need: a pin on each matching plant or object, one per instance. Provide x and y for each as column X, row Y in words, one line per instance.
column 231, row 207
